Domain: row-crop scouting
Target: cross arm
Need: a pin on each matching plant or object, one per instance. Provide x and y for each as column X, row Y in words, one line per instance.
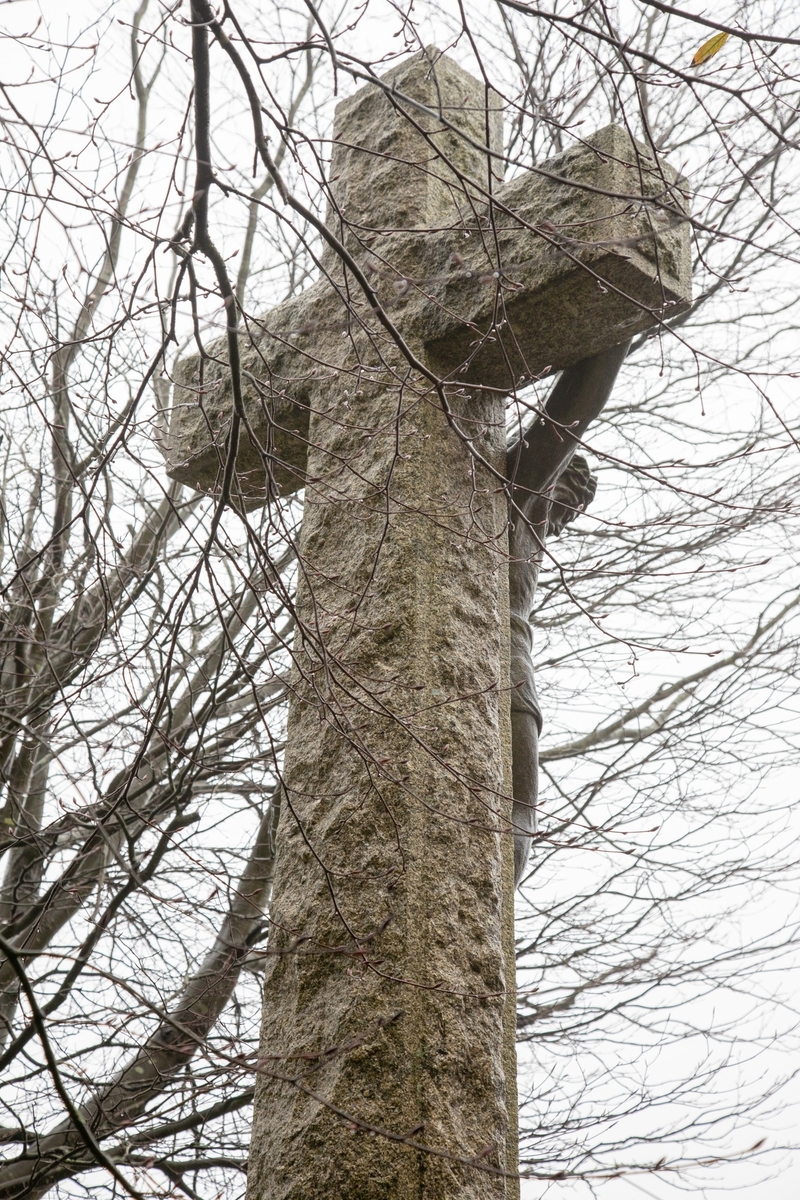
column 582, row 253
column 573, row 258
column 280, row 371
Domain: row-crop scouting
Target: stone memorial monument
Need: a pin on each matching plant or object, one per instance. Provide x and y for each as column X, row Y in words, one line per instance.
column 387, row 1065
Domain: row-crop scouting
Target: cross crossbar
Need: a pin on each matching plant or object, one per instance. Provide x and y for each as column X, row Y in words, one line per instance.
column 519, row 281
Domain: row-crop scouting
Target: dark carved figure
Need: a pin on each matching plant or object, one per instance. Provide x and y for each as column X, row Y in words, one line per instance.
column 551, row 484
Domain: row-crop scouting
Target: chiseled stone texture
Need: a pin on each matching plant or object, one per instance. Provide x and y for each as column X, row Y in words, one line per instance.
column 586, row 251
column 389, row 990
column 392, row 896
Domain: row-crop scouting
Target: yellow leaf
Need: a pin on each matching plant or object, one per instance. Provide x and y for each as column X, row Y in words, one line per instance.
column 710, row 48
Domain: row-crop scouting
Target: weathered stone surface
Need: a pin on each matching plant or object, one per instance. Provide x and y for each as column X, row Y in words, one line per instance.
column 587, row 251
column 586, row 260
column 428, row 124
column 393, row 892
column 389, row 991
column 278, row 378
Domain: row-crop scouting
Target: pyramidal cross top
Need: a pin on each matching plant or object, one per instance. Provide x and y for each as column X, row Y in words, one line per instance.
column 387, row 1065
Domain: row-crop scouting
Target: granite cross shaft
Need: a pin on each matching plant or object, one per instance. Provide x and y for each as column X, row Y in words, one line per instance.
column 387, row 1065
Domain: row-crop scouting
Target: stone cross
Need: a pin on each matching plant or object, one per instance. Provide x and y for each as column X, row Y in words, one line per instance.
column 387, row 1064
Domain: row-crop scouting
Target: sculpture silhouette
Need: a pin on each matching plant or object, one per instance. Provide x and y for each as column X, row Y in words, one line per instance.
column 550, row 485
